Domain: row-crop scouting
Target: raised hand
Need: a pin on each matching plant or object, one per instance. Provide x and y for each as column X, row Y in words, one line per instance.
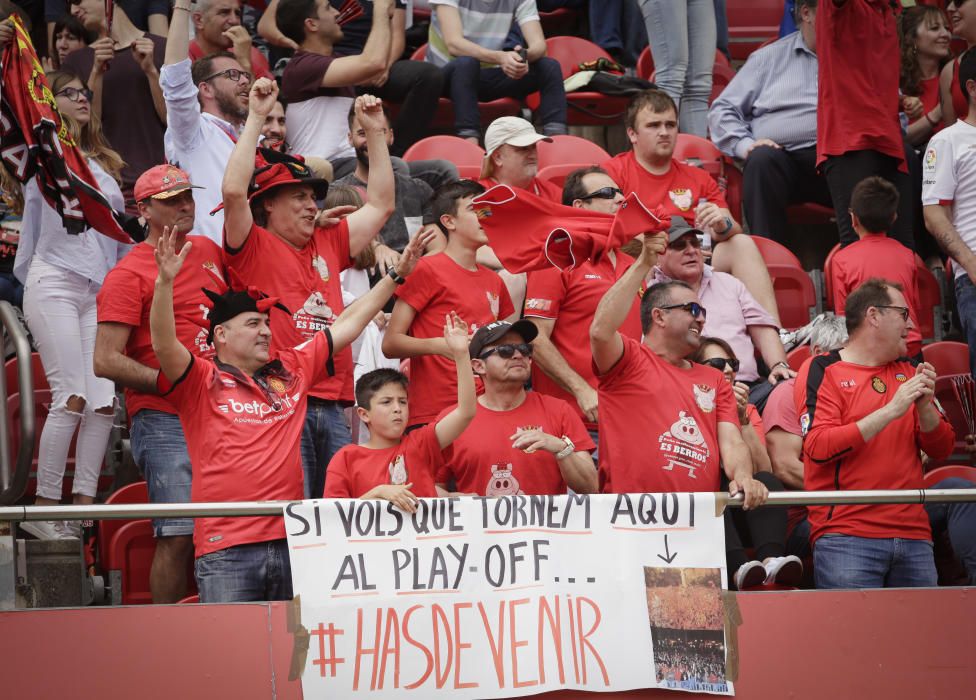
column 456, row 334
column 654, row 245
column 264, row 95
column 143, row 50
column 369, row 113
column 240, row 41
column 413, row 252
column 7, row 33
column 168, row 261
column 331, row 217
column 103, row 53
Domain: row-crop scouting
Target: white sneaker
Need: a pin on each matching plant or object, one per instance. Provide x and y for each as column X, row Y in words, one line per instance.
column 46, row 529
column 750, row 575
column 70, row 528
column 785, row 571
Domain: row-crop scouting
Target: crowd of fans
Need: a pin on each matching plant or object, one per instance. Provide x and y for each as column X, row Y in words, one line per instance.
column 264, row 303
column 694, row 607
column 689, row 663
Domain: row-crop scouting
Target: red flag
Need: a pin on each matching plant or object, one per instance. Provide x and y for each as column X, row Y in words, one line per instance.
column 528, row 232
column 34, row 142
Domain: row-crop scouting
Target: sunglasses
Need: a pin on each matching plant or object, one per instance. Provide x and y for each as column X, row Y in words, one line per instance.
column 685, row 241
column 603, row 193
column 903, row 310
column 693, row 307
column 507, row 351
column 74, row 94
column 232, row 73
column 719, row 363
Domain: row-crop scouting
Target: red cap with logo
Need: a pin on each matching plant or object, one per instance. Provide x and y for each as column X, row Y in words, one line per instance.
column 162, row 182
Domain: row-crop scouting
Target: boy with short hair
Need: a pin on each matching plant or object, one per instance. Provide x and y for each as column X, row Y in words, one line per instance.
column 392, row 466
column 874, row 208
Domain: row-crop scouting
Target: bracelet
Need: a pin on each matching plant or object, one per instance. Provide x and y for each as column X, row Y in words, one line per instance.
column 395, row 276
column 180, row 7
column 929, row 120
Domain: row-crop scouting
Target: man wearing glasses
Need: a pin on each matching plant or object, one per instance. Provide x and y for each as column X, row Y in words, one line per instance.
column 520, row 442
column 561, row 304
column 206, row 105
column 736, row 317
column 667, row 424
column 865, row 416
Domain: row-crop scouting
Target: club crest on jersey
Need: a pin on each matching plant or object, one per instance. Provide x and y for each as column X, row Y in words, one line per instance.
column 878, row 385
column 705, row 397
column 900, row 377
column 804, row 424
column 493, row 304
column 398, row 471
column 930, row 158
column 211, row 267
column 681, row 198
column 276, row 385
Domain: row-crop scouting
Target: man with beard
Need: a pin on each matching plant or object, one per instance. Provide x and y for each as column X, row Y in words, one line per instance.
column 206, row 104
column 411, row 204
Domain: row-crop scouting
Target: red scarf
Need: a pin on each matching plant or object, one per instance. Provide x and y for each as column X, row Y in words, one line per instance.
column 528, row 232
column 35, row 143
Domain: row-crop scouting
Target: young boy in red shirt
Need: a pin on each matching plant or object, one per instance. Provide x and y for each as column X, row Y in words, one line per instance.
column 874, row 208
column 394, row 466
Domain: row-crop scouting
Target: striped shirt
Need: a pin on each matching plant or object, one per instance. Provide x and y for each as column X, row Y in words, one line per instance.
column 773, row 96
column 483, row 22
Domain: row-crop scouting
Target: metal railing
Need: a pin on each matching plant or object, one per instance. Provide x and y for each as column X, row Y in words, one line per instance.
column 259, row 508
column 13, row 485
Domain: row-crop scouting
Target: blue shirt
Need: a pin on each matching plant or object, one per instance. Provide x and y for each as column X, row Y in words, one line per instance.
column 773, row 96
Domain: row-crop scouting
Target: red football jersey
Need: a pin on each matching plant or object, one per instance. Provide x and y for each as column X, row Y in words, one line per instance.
column 127, row 295
column 355, row 469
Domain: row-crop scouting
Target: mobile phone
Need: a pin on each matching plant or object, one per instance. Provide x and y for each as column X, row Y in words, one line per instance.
column 524, row 55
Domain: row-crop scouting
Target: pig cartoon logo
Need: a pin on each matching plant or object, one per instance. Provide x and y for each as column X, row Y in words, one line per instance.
column 502, row 482
column 316, row 307
column 705, row 397
column 321, row 267
column 398, row 471
column 686, row 430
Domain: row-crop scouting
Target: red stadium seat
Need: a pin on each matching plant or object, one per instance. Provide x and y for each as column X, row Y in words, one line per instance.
column 131, row 493
column 690, row 148
column 948, row 400
column 467, row 156
column 556, row 174
column 795, row 295
column 37, row 370
column 950, row 471
column 752, row 22
column 645, row 62
column 128, row 561
column 722, row 74
column 195, row 598
column 948, row 357
column 776, row 253
column 797, row 356
column 570, row 149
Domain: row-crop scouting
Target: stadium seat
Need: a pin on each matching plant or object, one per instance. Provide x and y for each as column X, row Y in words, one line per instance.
column 645, row 62
column 195, row 598
column 698, row 151
column 556, row 174
column 775, row 253
column 947, row 356
column 489, row 111
column 946, row 395
column 930, row 301
column 797, row 356
column 559, row 22
column 950, row 471
column 467, row 156
column 131, row 493
column 37, row 370
column 722, row 74
column 128, row 561
column 570, row 149
column 795, row 295
column 752, row 22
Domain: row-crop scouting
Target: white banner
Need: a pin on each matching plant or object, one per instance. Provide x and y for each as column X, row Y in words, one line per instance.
column 501, row 597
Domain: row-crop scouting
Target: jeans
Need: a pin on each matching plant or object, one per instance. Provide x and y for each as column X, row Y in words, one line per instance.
column 159, row 448
column 595, row 437
column 845, row 561
column 416, row 86
column 435, row 172
column 721, row 28
column 617, row 27
column 966, row 306
column 245, row 573
column 467, row 83
column 682, row 37
column 324, row 434
column 11, row 289
column 959, row 520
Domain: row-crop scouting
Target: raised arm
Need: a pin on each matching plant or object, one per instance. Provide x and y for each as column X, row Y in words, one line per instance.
column 144, row 52
column 178, row 39
column 111, row 362
column 453, row 424
column 268, row 28
column 359, row 69
column 173, row 357
column 366, row 222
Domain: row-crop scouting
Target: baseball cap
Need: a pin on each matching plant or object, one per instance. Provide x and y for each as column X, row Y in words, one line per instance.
column 679, row 227
column 162, row 182
column 513, row 131
column 486, row 335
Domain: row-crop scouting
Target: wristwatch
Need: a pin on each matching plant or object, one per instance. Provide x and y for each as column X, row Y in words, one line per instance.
column 782, row 363
column 395, row 276
column 568, row 450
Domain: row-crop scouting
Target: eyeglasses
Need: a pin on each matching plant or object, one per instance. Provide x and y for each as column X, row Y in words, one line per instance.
column 74, row 94
column 232, row 73
column 903, row 310
column 719, row 363
column 507, row 351
column 693, row 307
column 603, row 193
column 685, row 241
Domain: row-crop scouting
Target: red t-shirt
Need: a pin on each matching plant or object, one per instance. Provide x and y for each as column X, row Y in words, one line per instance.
column 127, row 295
column 483, row 461
column 437, row 286
column 859, row 65
column 259, row 64
column 307, row 283
column 831, row 396
column 542, row 188
column 877, row 256
column 355, row 469
column 931, row 97
column 678, row 190
column 570, row 297
column 960, row 102
column 659, row 424
column 244, row 438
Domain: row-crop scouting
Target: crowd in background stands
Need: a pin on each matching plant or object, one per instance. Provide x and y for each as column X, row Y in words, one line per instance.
column 260, row 290
column 685, row 608
column 690, row 660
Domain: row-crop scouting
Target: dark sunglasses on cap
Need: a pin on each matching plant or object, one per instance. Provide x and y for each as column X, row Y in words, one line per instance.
column 719, row 363
column 693, row 307
column 507, row 351
column 603, row 193
column 74, row 94
column 684, row 241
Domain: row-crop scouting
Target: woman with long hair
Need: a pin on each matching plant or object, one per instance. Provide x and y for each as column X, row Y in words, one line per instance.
column 62, row 274
column 962, row 22
column 925, row 48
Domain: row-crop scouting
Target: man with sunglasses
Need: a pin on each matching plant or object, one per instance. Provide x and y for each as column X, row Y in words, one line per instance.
column 206, row 103
column 666, row 424
column 735, row 315
column 561, row 304
column 520, row 442
column 866, row 415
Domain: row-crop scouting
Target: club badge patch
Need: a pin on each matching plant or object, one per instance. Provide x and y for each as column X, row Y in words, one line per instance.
column 878, row 385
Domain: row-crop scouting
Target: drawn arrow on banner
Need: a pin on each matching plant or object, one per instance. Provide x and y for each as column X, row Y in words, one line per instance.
column 668, row 557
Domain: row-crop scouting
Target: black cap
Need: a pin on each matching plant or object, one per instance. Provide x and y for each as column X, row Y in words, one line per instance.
column 486, row 335
column 679, row 227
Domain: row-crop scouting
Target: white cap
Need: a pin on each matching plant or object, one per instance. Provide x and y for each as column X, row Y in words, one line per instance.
column 513, row 131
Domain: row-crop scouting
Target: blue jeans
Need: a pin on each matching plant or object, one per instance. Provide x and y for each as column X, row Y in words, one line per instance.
column 595, row 437
column 467, row 83
column 845, row 561
column 959, row 519
column 324, row 434
column 966, row 306
column 159, row 448
column 11, row 289
column 682, row 37
column 245, row 573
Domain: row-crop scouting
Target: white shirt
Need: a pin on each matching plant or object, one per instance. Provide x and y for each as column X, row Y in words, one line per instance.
column 320, row 127
column 949, row 178
column 198, row 142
